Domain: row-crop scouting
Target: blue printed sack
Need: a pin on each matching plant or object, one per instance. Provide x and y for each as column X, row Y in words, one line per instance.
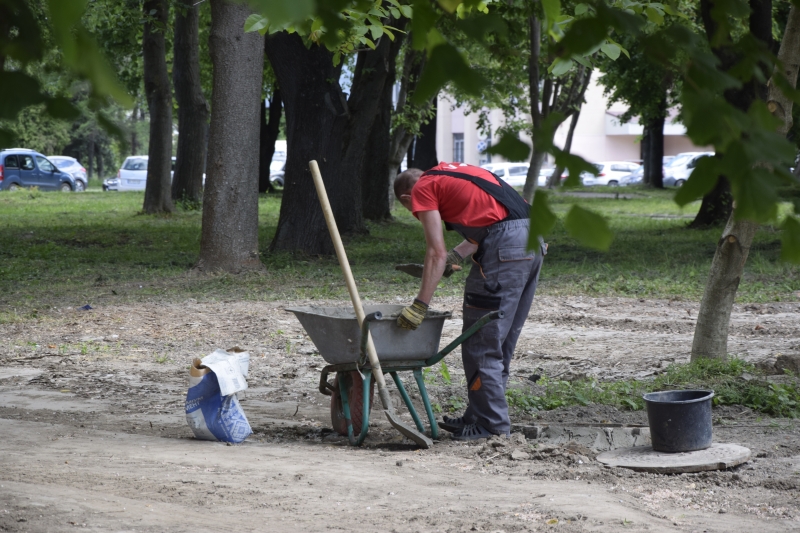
column 210, row 415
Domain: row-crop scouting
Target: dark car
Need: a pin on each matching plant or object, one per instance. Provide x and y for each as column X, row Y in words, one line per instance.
column 20, row 167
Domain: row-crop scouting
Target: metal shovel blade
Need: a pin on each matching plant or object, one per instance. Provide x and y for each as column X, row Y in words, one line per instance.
column 421, row 440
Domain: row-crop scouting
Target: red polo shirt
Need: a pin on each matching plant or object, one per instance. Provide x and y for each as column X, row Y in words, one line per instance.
column 457, row 200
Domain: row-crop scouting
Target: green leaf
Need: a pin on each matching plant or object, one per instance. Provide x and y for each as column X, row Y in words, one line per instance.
column 560, row 67
column 62, row 108
column 790, row 239
column 510, row 147
column 376, row 31
column 423, row 21
column 449, row 5
column 588, row 228
column 542, row 219
column 446, row 64
column 17, row 91
column 611, row 50
column 755, row 195
column 407, row 11
column 282, row 12
column 445, row 372
column 654, row 15
column 552, row 9
column 701, row 181
column 580, row 9
column 256, row 22
column 576, row 166
column 395, row 12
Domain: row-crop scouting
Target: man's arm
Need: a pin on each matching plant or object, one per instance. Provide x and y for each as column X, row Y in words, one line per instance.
column 435, row 254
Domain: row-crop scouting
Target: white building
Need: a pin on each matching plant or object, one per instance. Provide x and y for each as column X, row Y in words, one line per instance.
column 599, row 136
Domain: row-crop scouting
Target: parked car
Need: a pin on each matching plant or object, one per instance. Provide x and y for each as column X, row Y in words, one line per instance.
column 20, row 167
column 132, row 176
column 678, row 170
column 634, row 178
column 610, row 173
column 71, row 166
column 515, row 174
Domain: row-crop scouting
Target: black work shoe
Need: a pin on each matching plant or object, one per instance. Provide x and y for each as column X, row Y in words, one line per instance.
column 472, row 432
column 451, row 424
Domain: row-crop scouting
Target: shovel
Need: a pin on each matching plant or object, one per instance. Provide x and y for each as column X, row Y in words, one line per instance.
column 388, row 409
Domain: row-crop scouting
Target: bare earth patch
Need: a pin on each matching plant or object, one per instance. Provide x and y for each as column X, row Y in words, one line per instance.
column 95, row 436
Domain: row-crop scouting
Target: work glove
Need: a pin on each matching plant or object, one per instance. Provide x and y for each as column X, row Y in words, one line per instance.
column 413, row 315
column 454, row 261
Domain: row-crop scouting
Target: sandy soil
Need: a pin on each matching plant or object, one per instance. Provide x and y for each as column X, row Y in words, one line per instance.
column 91, row 411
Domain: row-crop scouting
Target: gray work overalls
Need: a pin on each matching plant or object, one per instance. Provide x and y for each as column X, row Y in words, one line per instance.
column 504, row 275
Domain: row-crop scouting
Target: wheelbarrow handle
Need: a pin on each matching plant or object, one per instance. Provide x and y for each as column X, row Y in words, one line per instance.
column 485, row 319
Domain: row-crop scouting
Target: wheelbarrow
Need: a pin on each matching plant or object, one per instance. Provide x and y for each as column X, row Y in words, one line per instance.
column 335, row 333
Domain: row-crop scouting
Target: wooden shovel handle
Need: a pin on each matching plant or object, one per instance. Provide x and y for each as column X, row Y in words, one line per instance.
column 348, row 274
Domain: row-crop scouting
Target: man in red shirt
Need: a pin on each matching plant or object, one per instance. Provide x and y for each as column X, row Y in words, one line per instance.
column 493, row 219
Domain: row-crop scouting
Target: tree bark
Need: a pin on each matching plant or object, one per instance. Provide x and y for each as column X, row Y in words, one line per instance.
column 555, row 177
column 229, row 238
column 157, row 88
column 134, row 130
column 322, row 125
column 402, row 140
column 190, row 159
column 100, row 164
column 270, row 128
column 654, row 155
column 716, row 206
column 425, row 143
column 713, row 319
column 90, row 153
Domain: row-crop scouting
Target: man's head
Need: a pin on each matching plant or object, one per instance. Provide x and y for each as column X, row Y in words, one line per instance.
column 403, row 184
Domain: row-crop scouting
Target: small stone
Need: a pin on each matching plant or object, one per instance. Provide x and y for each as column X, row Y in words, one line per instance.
column 399, row 463
column 519, row 455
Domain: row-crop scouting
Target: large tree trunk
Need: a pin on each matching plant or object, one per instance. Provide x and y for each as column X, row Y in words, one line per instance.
column 322, row 125
column 157, row 88
column 713, row 319
column 716, row 206
column 425, row 143
column 190, row 160
column 229, row 239
column 270, row 128
column 376, row 182
column 654, row 154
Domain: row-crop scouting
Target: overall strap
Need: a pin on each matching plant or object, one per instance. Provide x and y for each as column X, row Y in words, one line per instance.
column 504, row 193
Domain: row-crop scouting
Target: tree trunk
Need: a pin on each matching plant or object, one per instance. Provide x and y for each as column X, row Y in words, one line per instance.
column 190, row 159
column 229, row 238
column 270, row 128
column 402, row 140
column 90, row 153
column 322, row 125
column 376, row 181
column 716, row 206
column 555, row 177
column 159, row 102
column 654, row 155
column 100, row 164
column 134, row 130
column 425, row 144
column 713, row 319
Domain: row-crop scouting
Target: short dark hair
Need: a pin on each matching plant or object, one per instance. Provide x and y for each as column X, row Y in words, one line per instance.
column 405, row 181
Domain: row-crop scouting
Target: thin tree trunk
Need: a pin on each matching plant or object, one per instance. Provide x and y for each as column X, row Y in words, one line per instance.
column 90, row 152
column 555, row 177
column 100, row 165
column 402, row 140
column 229, row 238
column 425, row 144
column 713, row 319
column 654, row 156
column 270, row 128
column 134, row 129
column 190, row 159
column 157, row 197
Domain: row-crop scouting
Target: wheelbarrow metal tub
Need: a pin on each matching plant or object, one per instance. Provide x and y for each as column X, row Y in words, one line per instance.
column 337, row 336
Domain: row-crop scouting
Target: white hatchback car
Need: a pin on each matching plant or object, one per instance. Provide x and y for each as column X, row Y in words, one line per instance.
column 515, row 174
column 132, row 176
column 610, row 173
column 677, row 171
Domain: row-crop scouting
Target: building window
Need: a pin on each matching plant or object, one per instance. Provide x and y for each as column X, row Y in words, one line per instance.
column 458, row 148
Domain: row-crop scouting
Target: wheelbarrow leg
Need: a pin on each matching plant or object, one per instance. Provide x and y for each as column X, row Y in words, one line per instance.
column 426, row 402
column 366, row 379
column 406, row 399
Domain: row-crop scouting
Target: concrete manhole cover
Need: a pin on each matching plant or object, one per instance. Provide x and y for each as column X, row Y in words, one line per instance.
column 645, row 459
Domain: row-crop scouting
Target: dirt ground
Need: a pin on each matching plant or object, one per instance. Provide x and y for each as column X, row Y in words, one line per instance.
column 95, row 438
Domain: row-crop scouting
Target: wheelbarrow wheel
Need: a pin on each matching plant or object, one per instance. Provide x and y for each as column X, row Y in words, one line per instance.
column 354, row 384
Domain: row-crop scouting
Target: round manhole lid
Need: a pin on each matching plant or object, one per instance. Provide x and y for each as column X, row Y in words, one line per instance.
column 645, row 459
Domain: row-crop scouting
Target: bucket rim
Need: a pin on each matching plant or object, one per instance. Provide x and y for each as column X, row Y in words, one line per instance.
column 321, row 311
column 708, row 396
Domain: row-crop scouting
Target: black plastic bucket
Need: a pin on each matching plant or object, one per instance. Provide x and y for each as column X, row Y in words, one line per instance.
column 680, row 420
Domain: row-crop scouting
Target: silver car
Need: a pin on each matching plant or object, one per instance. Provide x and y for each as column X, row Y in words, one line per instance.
column 71, row 166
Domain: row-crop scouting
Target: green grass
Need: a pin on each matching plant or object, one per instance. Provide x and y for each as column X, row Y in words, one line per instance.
column 734, row 381
column 72, row 249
